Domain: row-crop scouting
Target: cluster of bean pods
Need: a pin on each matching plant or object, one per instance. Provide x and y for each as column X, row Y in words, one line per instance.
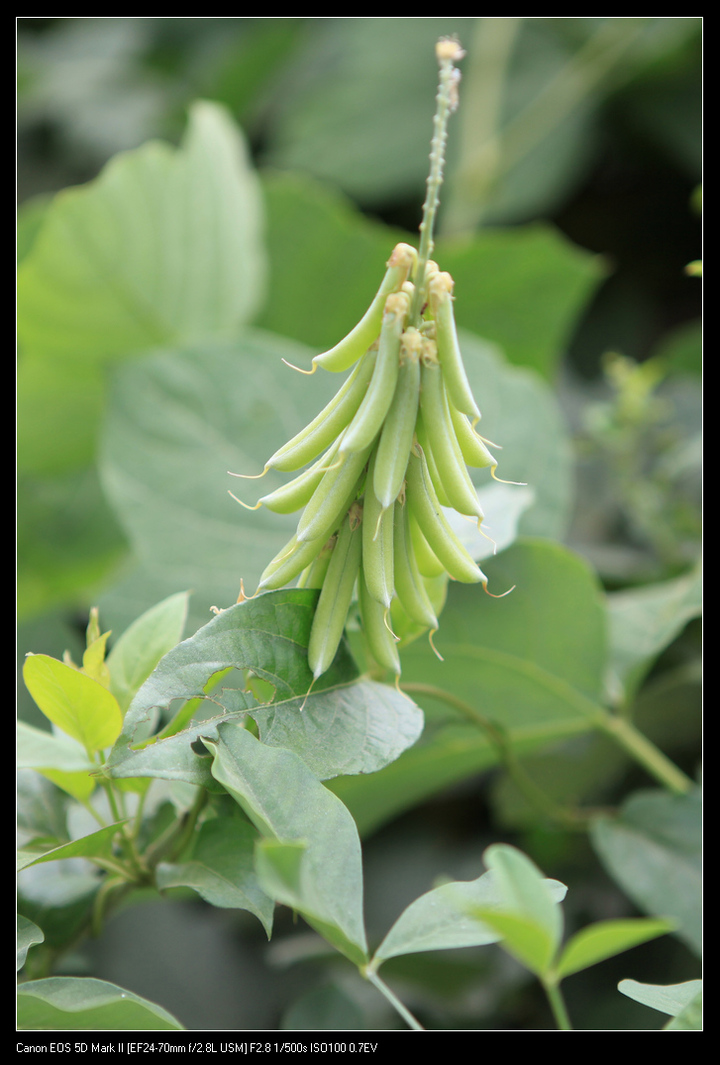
column 383, row 458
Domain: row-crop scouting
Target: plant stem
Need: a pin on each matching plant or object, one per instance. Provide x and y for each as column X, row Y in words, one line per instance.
column 393, row 1000
column 446, row 103
column 557, row 1005
column 647, row 754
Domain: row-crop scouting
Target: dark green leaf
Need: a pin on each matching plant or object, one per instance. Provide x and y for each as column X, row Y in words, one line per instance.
column 222, row 870
column 292, row 810
column 653, row 851
column 443, row 918
column 74, row 1003
column 28, row 934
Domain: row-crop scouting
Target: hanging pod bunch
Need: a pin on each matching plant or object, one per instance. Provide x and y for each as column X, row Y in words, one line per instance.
column 388, row 454
column 383, row 459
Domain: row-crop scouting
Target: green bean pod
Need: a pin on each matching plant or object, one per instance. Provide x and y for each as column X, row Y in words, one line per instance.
column 428, row 563
column 288, row 564
column 458, row 388
column 371, row 414
column 443, row 445
column 423, row 441
column 297, row 493
column 398, row 429
column 472, row 447
column 424, row 505
column 381, row 642
column 313, row 576
column 409, row 585
column 330, row 499
column 378, row 553
column 329, row 423
column 341, row 357
column 335, row 597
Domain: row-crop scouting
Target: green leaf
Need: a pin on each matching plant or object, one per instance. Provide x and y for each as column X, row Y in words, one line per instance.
column 340, row 727
column 605, row 939
column 530, row 664
column 58, row 757
column 334, row 120
column 523, row 288
column 524, row 893
column 95, row 845
column 267, row 634
column 221, row 869
column 668, row 998
column 71, row 1003
column 521, row 937
column 177, row 423
column 28, row 934
column 38, row 749
column 643, row 621
column 324, row 1009
column 443, row 918
column 653, row 851
column 323, row 252
column 137, row 652
column 288, row 805
column 68, row 540
column 356, row 729
column 76, row 703
column 164, row 244
column 689, row 1019
column 521, row 415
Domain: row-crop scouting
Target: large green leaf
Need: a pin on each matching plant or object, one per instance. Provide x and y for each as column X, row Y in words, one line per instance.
column 653, row 851
column 443, row 918
column 529, row 917
column 177, row 424
column 326, row 258
column 73, row 1003
column 139, row 649
column 28, row 934
column 530, row 663
column 644, row 620
column 522, row 288
column 267, row 635
column 163, row 245
column 341, row 726
column 95, row 845
column 668, row 998
column 521, row 415
column 222, row 870
column 289, row 806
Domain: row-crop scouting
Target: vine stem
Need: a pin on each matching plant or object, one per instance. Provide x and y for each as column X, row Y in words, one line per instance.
column 448, row 52
column 623, row 732
column 557, row 1005
column 394, row 1001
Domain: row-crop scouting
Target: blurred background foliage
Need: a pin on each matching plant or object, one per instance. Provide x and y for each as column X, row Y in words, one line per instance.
column 570, row 212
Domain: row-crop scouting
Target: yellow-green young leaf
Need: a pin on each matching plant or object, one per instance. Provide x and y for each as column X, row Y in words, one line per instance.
column 605, row 939
column 522, row 937
column 94, row 661
column 79, row 785
column 76, row 703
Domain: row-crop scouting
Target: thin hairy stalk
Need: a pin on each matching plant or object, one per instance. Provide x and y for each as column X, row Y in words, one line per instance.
column 447, row 52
